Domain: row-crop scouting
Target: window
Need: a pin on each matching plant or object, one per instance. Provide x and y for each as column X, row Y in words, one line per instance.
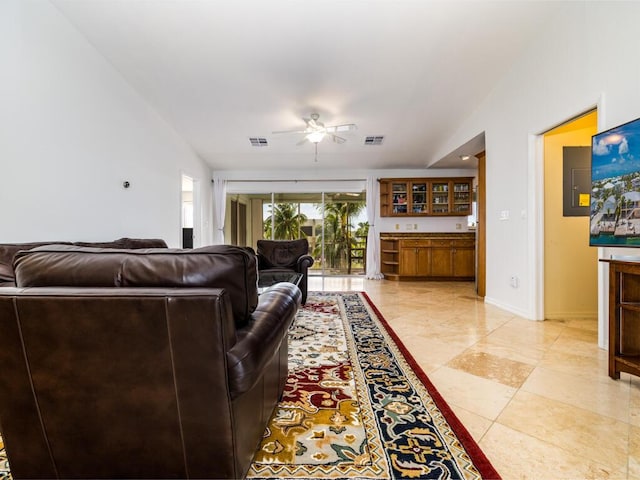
column 334, row 223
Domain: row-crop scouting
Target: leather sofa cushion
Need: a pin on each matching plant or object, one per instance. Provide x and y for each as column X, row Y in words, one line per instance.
column 217, row 266
column 281, row 253
column 126, row 243
column 9, row 250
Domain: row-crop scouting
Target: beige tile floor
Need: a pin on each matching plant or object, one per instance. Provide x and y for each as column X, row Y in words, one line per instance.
column 534, row 395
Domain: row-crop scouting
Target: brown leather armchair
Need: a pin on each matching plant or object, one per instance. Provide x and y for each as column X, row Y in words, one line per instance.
column 153, row 363
column 286, row 256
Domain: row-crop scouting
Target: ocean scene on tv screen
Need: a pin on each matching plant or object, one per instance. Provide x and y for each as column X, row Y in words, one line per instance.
column 615, row 186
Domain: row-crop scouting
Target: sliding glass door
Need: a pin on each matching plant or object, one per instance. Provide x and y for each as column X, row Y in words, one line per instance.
column 343, row 233
column 333, row 223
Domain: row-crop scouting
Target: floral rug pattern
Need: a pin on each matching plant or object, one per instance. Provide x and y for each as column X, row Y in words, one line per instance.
column 5, row 474
column 353, row 407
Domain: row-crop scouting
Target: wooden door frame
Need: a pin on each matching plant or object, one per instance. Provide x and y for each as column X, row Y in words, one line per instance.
column 481, row 228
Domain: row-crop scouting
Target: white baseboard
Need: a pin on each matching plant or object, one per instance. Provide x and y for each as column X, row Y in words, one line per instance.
column 589, row 315
column 563, row 315
column 509, row 308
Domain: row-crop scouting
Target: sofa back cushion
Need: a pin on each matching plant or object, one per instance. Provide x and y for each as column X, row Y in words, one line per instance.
column 9, row 250
column 281, row 253
column 127, row 243
column 217, row 266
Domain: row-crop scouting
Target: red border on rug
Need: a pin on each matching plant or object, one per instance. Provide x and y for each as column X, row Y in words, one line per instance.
column 478, row 457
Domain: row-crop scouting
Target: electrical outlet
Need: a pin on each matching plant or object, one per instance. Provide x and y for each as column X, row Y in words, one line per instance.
column 409, row 226
column 458, row 226
column 397, row 226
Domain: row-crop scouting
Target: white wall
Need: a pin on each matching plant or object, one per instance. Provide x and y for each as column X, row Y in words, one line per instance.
column 588, row 55
column 71, row 131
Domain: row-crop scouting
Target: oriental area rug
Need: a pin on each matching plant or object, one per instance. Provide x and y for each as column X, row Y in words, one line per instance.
column 357, row 406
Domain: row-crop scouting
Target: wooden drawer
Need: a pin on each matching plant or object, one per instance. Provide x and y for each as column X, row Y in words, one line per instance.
column 464, row 243
column 415, row 243
column 441, row 243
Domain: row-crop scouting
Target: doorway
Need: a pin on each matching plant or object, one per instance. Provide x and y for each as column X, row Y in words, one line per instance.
column 570, row 265
column 238, row 221
column 187, row 211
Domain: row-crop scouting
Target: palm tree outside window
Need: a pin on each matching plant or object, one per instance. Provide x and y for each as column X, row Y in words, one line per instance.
column 288, row 221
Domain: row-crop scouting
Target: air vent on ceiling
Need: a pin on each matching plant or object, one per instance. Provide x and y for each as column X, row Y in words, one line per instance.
column 258, row 142
column 377, row 140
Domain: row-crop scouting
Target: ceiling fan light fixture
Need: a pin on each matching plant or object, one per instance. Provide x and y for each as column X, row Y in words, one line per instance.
column 315, row 137
column 316, row 131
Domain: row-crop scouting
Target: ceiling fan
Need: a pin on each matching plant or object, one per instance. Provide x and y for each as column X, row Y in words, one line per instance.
column 317, row 130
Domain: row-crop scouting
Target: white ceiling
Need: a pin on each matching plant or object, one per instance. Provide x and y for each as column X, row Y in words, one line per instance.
column 221, row 71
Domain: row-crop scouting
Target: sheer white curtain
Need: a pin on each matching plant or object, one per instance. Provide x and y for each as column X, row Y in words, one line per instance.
column 373, row 247
column 219, row 208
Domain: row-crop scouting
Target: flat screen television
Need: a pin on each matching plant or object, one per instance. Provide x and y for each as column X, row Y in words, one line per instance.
column 615, row 187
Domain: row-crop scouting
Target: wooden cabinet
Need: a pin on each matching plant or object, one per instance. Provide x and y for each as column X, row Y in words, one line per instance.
column 415, row 258
column 464, row 258
column 416, row 197
column 441, row 258
column 404, row 197
column 624, row 317
column 429, row 256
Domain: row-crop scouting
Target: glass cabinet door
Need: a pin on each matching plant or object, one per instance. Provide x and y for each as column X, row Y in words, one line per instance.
column 399, row 197
column 462, row 198
column 419, row 198
column 440, row 197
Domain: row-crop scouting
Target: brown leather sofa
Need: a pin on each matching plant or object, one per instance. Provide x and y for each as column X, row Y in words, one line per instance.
column 153, row 363
column 286, row 256
column 9, row 250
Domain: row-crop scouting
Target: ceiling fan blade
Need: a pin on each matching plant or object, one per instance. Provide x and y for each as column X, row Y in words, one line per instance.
column 302, row 142
column 288, row 131
column 338, row 139
column 347, row 127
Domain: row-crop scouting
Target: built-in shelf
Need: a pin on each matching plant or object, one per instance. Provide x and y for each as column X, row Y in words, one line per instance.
column 420, row 197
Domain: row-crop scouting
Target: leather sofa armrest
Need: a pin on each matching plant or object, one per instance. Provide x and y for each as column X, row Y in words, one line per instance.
column 304, row 263
column 261, row 338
